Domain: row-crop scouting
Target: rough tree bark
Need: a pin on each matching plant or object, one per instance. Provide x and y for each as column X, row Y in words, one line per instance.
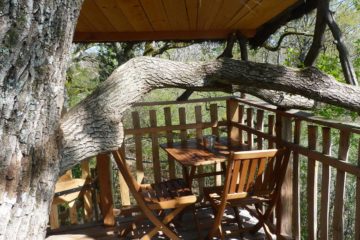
column 94, row 126
column 35, row 38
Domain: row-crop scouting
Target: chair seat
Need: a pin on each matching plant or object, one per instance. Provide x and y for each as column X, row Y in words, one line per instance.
column 213, row 194
column 168, row 194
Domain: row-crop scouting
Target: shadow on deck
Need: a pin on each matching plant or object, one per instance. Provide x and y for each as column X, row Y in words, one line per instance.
column 186, row 228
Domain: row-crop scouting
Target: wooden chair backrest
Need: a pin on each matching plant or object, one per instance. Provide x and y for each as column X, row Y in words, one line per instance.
column 256, row 172
column 125, row 171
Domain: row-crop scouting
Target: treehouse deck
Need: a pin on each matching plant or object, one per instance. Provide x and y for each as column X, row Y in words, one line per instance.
column 323, row 177
column 186, row 228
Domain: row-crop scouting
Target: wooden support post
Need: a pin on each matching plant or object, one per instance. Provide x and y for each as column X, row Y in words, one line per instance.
column 73, row 213
column 106, row 201
column 312, row 176
column 169, row 141
column 338, row 222
column 325, row 186
column 357, row 201
column 54, row 217
column 296, row 184
column 232, row 112
column 284, row 210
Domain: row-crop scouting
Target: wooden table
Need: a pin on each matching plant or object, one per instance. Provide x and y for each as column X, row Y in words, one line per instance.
column 191, row 155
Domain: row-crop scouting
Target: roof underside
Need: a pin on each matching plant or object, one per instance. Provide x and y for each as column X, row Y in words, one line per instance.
column 141, row 20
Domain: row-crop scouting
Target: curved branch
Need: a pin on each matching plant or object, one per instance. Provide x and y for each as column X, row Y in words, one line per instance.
column 319, row 31
column 346, row 64
column 94, row 125
column 277, row 46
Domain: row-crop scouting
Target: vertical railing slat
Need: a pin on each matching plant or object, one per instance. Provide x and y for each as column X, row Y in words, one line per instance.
column 232, row 113
column 182, row 121
column 325, row 186
column 296, row 183
column 199, row 136
column 138, row 148
column 215, row 131
column 338, row 222
column 250, row 124
column 312, row 175
column 214, row 120
column 241, row 120
column 155, row 147
column 169, row 141
column 271, row 130
column 259, row 127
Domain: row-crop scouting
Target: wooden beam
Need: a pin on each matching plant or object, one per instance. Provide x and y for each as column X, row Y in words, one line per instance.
column 158, row 36
column 286, row 198
column 296, row 183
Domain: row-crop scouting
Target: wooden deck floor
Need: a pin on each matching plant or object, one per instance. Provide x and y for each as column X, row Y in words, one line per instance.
column 186, row 229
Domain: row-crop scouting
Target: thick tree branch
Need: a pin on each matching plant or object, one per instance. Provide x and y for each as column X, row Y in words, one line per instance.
column 346, row 64
column 94, row 125
column 278, row 98
column 319, row 31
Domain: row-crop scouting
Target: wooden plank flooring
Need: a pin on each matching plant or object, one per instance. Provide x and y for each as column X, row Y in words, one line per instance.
column 186, row 228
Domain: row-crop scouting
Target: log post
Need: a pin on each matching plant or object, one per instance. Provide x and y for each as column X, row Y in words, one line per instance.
column 284, row 209
column 232, row 112
column 106, row 201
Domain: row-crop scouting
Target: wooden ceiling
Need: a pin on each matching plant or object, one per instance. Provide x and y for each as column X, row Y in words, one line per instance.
column 139, row 20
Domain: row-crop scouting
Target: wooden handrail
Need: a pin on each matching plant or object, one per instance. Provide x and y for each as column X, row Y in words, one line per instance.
column 301, row 115
column 198, row 100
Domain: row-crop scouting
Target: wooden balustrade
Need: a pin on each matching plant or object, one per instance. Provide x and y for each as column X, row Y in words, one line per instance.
column 325, row 163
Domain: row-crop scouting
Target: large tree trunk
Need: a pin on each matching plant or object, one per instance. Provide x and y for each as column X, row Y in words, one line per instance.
column 35, row 39
column 94, row 125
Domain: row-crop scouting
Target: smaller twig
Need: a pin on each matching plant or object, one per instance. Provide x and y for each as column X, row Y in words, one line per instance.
column 277, row 46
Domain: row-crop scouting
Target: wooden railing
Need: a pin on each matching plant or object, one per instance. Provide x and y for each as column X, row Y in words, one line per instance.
column 313, row 150
column 325, row 159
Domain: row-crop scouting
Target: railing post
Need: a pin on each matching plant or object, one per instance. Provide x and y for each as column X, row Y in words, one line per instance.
column 232, row 112
column 284, row 210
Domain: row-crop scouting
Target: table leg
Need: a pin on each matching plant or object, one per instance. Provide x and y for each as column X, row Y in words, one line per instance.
column 191, row 176
column 185, row 174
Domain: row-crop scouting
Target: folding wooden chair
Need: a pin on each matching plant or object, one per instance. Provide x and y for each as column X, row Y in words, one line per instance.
column 173, row 194
column 253, row 178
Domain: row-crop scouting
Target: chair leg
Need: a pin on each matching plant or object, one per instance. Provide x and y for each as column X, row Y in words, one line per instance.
column 195, row 216
column 237, row 217
column 162, row 226
column 131, row 227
